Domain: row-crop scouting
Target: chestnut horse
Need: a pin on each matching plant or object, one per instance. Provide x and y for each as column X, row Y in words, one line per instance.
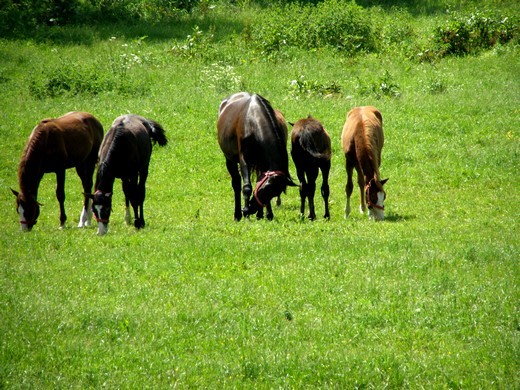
column 254, row 135
column 311, row 152
column 125, row 154
column 362, row 141
column 56, row 145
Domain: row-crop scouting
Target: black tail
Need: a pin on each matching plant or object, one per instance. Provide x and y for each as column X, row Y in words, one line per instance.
column 316, row 143
column 156, row 132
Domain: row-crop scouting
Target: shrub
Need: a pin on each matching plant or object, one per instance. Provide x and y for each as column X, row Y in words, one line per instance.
column 337, row 24
column 462, row 35
column 303, row 87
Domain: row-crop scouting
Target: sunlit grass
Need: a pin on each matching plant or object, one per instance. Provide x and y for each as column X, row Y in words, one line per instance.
column 427, row 298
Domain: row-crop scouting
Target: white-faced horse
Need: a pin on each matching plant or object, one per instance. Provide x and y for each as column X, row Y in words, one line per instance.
column 56, row 145
column 362, row 141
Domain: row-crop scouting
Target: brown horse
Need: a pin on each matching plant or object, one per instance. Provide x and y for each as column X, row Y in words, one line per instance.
column 311, row 152
column 253, row 135
column 362, row 141
column 125, row 153
column 55, row 145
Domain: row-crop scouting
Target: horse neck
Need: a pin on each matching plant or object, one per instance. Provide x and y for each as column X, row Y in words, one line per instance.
column 104, row 179
column 368, row 159
column 30, row 170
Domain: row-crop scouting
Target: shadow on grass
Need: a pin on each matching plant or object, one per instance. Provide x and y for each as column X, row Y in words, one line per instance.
column 220, row 27
column 398, row 217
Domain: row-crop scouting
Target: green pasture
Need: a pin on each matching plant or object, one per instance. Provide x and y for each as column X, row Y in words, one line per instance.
column 428, row 298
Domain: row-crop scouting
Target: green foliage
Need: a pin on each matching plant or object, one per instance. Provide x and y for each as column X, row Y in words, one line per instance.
column 383, row 86
column 338, row 24
column 197, row 45
column 301, row 87
column 470, row 34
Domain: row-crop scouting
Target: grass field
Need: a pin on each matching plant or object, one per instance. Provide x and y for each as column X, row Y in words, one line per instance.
column 429, row 298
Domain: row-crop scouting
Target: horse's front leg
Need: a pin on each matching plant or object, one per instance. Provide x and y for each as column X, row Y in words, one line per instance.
column 247, row 189
column 361, row 184
column 236, row 182
column 60, row 195
column 85, row 174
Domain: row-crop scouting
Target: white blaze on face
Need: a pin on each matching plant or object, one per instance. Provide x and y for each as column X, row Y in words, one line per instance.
column 23, row 224
column 376, row 213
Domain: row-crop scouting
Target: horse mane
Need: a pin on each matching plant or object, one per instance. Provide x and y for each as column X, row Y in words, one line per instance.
column 32, row 155
column 371, row 145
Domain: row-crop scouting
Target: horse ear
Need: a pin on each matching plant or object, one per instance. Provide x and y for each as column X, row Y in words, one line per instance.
column 108, row 194
column 291, row 123
column 383, row 182
column 15, row 193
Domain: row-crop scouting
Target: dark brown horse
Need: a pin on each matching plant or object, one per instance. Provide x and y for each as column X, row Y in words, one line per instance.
column 55, row 145
column 362, row 141
column 311, row 152
column 125, row 154
column 253, row 135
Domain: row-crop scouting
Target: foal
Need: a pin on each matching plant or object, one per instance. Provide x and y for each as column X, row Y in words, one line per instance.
column 125, row 154
column 311, row 152
column 362, row 140
column 55, row 145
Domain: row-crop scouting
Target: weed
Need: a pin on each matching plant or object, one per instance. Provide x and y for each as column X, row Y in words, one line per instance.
column 381, row 87
column 222, row 78
column 301, row 87
column 197, row 45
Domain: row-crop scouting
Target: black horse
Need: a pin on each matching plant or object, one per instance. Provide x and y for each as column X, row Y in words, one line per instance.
column 251, row 133
column 125, row 154
column 311, row 152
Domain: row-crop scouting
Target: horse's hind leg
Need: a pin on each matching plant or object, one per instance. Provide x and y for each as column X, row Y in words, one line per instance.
column 325, row 191
column 141, row 195
column 60, row 195
column 236, row 182
column 312, row 175
column 85, row 173
column 349, row 187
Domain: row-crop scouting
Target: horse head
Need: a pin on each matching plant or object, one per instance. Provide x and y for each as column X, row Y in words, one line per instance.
column 28, row 209
column 375, row 195
column 101, row 208
column 270, row 185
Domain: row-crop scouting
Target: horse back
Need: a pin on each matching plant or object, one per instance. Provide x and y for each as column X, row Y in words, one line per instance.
column 127, row 146
column 310, row 136
column 363, row 133
column 67, row 141
column 230, row 124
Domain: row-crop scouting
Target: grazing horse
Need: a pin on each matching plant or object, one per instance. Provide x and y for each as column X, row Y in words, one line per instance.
column 254, row 135
column 362, row 140
column 311, row 152
column 125, row 154
column 55, row 145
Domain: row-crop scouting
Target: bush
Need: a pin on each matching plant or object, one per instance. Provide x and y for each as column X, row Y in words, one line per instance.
column 470, row 34
column 337, row 24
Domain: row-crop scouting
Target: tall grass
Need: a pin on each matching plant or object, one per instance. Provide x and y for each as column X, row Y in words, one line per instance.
column 427, row 298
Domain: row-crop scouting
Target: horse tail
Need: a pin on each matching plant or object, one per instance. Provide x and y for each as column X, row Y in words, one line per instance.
column 316, row 142
column 156, row 132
